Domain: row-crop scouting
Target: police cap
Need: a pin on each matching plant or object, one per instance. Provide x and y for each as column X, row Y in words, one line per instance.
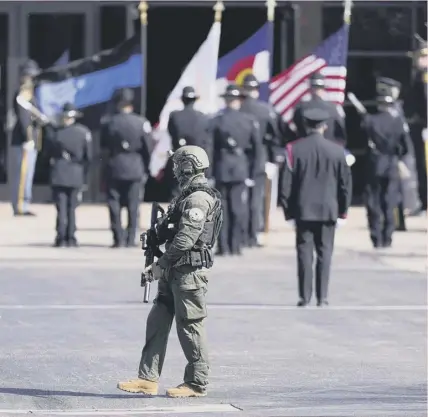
column 250, row 82
column 69, row 110
column 29, row 68
column 124, row 96
column 315, row 117
column 387, row 82
column 232, row 91
column 189, row 93
column 317, row 80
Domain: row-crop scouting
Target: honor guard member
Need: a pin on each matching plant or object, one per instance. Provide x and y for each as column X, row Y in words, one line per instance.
column 416, row 108
column 128, row 139
column 237, row 154
column 271, row 148
column 315, row 194
column 26, row 142
column 387, row 135
column 70, row 150
column 195, row 216
column 187, row 127
column 336, row 129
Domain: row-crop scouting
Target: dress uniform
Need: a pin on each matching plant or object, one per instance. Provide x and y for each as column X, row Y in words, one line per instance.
column 388, row 140
column 26, row 142
column 315, row 192
column 127, row 137
column 187, row 127
column 70, row 150
column 416, row 109
column 237, row 153
column 336, row 129
column 271, row 151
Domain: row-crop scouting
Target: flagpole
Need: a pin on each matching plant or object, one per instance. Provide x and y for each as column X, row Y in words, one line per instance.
column 347, row 7
column 143, row 7
column 218, row 9
column 270, row 7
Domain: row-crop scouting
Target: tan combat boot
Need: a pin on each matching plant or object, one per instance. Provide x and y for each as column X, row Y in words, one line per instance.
column 184, row 390
column 141, row 386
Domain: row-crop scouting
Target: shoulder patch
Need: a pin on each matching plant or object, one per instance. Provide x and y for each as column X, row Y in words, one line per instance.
column 147, row 127
column 195, row 214
column 406, row 127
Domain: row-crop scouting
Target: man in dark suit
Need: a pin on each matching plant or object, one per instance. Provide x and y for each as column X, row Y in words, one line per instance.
column 315, row 194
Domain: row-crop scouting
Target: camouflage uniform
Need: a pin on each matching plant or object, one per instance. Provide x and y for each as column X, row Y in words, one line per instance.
column 181, row 293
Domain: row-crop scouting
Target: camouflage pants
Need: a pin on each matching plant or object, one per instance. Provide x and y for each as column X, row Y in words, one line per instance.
column 181, row 294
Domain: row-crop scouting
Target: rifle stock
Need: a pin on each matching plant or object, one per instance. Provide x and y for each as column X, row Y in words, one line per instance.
column 150, row 246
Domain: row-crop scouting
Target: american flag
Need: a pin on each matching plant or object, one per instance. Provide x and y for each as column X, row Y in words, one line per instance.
column 291, row 86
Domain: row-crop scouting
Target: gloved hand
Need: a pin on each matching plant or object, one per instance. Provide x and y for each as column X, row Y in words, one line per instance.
column 249, row 183
column 211, row 182
column 29, row 146
column 425, row 134
column 291, row 223
column 153, row 272
column 340, row 222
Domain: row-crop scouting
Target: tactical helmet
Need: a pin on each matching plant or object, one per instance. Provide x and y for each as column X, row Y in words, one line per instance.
column 188, row 161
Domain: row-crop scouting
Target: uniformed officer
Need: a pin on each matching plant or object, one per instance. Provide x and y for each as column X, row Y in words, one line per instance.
column 187, row 127
column 272, row 151
column 388, row 139
column 70, row 150
column 26, row 142
column 407, row 193
column 182, row 272
column 416, row 109
column 315, row 195
column 336, row 129
column 237, row 153
column 128, row 139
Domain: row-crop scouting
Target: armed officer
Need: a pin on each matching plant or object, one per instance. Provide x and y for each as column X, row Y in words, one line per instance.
column 26, row 142
column 315, row 194
column 388, row 138
column 70, row 150
column 336, row 130
column 187, row 127
column 272, row 152
column 237, row 154
column 182, row 271
column 128, row 139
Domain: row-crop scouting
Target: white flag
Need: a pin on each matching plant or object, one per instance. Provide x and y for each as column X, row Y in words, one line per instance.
column 201, row 74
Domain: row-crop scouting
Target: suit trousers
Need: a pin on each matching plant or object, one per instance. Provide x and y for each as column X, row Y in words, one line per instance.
column 312, row 235
column 124, row 193
column 66, row 200
column 234, row 200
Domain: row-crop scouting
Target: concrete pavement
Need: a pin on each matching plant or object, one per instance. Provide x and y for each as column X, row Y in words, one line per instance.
column 72, row 325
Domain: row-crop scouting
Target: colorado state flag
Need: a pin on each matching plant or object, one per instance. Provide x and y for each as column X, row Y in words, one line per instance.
column 250, row 57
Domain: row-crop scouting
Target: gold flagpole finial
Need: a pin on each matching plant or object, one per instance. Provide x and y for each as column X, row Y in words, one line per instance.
column 347, row 4
column 270, row 4
column 218, row 9
column 143, row 7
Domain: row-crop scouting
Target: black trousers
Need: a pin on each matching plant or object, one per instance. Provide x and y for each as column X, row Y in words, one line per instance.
column 234, row 199
column 418, row 143
column 309, row 236
column 66, row 201
column 122, row 193
column 254, row 221
column 381, row 200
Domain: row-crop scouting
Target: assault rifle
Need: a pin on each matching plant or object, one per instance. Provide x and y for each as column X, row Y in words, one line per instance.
column 150, row 246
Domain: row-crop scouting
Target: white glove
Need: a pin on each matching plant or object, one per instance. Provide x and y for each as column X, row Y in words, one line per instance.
column 249, row 182
column 350, row 159
column 29, row 146
column 425, row 134
column 340, row 222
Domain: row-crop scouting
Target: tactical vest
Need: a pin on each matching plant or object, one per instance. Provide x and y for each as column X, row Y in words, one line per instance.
column 200, row 255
